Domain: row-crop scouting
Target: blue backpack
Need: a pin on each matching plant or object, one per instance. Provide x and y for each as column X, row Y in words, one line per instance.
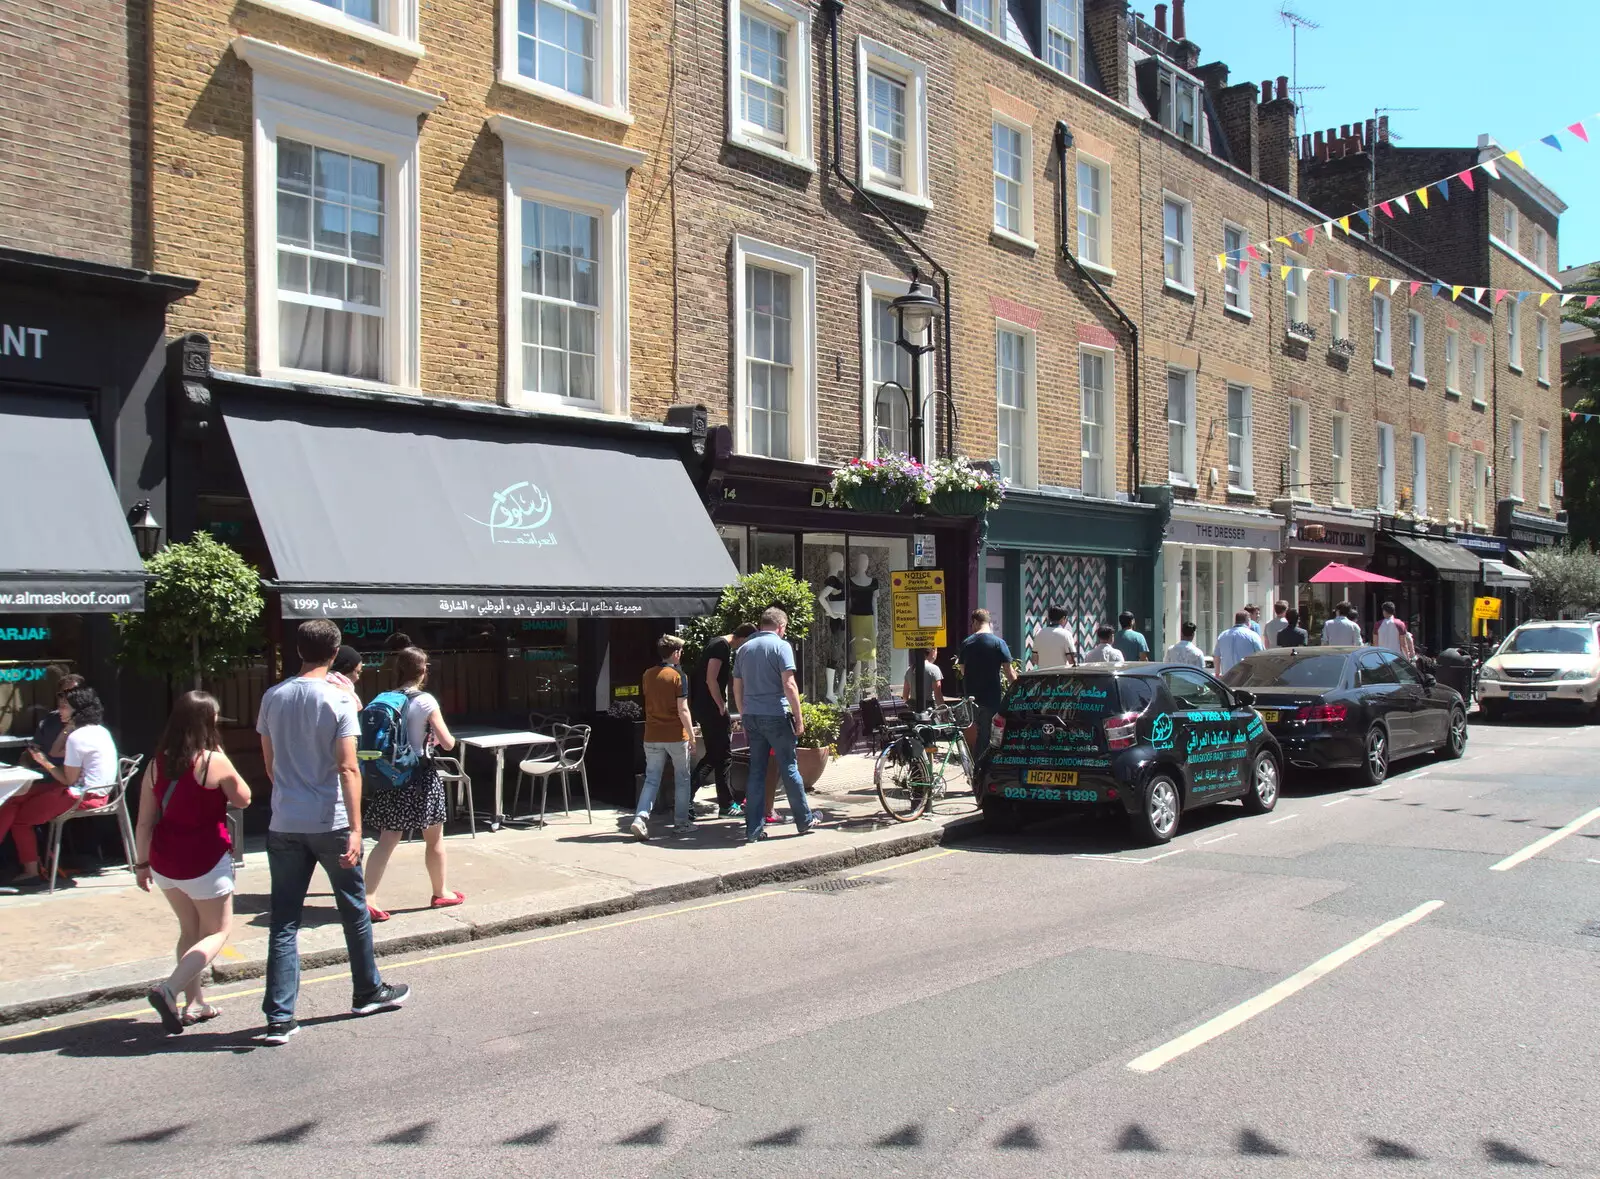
column 385, row 752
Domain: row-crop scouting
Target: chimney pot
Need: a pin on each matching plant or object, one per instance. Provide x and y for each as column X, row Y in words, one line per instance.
column 1283, row 86
column 1161, row 18
column 1266, row 92
column 1344, row 130
column 1383, row 128
column 1179, row 27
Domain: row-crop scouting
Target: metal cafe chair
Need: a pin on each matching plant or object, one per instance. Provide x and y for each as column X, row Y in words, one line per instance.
column 116, row 805
column 452, row 775
column 567, row 757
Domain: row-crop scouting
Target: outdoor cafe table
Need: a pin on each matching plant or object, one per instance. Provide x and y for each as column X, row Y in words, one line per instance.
column 499, row 743
column 14, row 779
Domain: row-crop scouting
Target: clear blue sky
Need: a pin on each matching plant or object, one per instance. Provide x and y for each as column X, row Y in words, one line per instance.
column 1454, row 60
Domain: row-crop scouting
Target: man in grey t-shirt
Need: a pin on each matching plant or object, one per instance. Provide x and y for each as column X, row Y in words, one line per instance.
column 768, row 701
column 309, row 732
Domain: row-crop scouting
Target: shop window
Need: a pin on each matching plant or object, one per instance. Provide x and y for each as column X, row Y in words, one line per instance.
column 850, row 653
column 775, row 292
column 892, row 107
column 1206, row 593
column 775, row 549
column 736, row 539
column 769, row 79
column 570, row 51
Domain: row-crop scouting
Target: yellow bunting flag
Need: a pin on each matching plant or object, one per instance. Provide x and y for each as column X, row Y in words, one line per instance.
column 1221, row 261
column 1284, row 240
column 1372, row 282
column 1283, row 271
column 1515, row 157
column 1422, row 195
column 1344, row 223
column 1544, row 298
column 1455, row 293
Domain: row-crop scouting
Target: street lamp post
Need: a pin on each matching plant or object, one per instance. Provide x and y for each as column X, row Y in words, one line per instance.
column 915, row 313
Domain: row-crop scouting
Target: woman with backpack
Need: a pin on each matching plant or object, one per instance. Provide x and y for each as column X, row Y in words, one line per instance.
column 184, row 848
column 418, row 804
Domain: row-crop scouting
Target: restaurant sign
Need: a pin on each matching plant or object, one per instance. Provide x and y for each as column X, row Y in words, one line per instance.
column 1224, row 534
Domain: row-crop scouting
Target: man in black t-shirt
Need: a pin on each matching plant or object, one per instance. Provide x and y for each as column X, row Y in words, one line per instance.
column 708, row 706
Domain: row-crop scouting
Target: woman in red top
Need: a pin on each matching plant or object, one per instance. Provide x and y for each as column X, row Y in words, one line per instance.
column 184, row 847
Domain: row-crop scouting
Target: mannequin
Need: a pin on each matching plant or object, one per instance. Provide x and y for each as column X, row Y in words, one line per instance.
column 862, row 595
column 832, row 599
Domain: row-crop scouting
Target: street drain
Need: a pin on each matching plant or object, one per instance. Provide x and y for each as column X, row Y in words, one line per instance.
column 1592, row 928
column 831, row 884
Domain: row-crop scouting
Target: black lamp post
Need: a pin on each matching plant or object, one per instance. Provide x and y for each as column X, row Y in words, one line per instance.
column 145, row 528
column 915, row 313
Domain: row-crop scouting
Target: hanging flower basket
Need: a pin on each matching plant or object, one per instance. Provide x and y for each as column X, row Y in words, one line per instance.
column 885, row 484
column 961, row 489
column 958, row 503
column 873, row 499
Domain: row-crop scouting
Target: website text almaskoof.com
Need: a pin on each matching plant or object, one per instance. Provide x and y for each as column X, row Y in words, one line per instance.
column 57, row 598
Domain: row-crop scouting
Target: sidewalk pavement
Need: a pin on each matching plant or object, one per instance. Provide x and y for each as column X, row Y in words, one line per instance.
column 105, row 941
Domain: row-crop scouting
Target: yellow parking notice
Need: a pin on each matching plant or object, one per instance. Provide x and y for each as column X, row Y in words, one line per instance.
column 918, row 597
column 1483, row 608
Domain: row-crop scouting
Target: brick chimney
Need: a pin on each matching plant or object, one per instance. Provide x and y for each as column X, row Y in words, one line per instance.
column 1161, row 18
column 1106, row 24
column 1237, row 111
column 1279, row 162
column 1185, row 50
column 1180, row 31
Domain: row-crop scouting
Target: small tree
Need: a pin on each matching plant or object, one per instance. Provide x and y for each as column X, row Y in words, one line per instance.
column 1563, row 579
column 745, row 601
column 200, row 614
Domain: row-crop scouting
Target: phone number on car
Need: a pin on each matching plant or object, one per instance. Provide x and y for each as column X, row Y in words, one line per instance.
column 1040, row 794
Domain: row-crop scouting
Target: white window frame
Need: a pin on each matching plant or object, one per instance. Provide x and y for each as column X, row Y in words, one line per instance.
column 749, row 251
column 1246, row 481
column 1075, row 35
column 1168, row 82
column 1480, row 486
column 611, row 64
column 1452, row 360
column 1299, row 451
column 883, row 286
column 1339, row 459
column 1514, row 335
column 1544, row 467
column 985, row 15
column 1107, row 486
column 1028, row 468
column 1235, row 280
column 1385, row 467
column 1296, row 302
column 796, row 148
column 1102, row 236
column 1382, row 333
column 1514, row 441
column 1479, row 364
column 585, row 175
column 1417, row 346
column 1541, row 340
column 1541, row 248
column 309, row 100
column 1185, row 243
column 397, row 31
column 1511, row 226
column 876, row 57
column 1452, row 482
column 1419, row 475
column 1182, row 474
column 1024, row 234
column 1338, row 308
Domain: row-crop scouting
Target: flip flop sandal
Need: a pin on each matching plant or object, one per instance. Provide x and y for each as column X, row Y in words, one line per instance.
column 166, row 1007
column 193, row 1015
column 377, row 914
column 455, row 898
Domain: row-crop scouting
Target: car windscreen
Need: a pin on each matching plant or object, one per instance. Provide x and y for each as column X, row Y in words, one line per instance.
column 1068, row 697
column 1551, row 640
column 1287, row 670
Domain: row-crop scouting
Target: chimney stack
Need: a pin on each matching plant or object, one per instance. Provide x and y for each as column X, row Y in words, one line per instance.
column 1280, row 164
column 1107, row 23
column 1179, row 28
column 1383, row 128
column 1266, row 92
column 1161, row 18
column 1283, row 88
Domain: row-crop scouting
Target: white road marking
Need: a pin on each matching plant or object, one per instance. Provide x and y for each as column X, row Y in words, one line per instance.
column 1116, row 859
column 1218, row 839
column 1250, row 1008
column 1283, row 819
column 1337, row 801
column 1538, row 845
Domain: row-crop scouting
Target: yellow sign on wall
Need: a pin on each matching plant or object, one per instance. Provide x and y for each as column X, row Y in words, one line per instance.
column 918, row 599
column 1483, row 608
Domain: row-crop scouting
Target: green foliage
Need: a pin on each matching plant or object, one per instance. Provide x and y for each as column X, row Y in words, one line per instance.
column 744, row 601
column 200, row 614
column 1564, row 580
column 823, row 722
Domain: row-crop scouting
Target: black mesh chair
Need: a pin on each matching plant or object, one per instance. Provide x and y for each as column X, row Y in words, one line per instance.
column 872, row 720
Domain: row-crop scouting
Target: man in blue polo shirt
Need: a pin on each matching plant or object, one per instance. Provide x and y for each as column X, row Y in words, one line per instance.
column 768, row 702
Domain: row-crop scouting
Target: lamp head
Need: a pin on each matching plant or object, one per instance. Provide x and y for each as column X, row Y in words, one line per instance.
column 916, row 311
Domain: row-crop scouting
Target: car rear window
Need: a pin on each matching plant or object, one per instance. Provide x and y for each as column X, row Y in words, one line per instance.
column 1551, row 640
column 1070, row 697
column 1286, row 670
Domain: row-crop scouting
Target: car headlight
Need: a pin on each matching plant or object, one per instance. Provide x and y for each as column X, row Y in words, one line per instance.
column 1490, row 673
column 1577, row 675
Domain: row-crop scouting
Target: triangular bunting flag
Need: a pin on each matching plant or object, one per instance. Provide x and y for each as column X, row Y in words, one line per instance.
column 1283, row 271
column 1222, row 260
column 1552, row 141
column 1252, row 251
column 1523, row 295
column 1422, row 195
column 1565, row 299
column 1365, row 216
column 1244, row 264
column 1284, row 240
column 1438, row 289
column 1477, row 294
column 1588, row 302
column 1455, row 292
column 1579, row 130
column 1415, row 287
column 1388, row 209
column 1405, row 205
column 1311, row 234
column 1372, row 283
column 1344, row 223
column 1266, row 270
column 1394, row 285
column 1488, row 166
column 1327, row 228
column 1444, row 188
column 1466, row 178
column 1498, row 295
column 1544, row 297
column 1516, row 158
column 1299, row 238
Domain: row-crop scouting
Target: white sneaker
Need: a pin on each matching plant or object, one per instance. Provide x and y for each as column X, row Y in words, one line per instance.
column 638, row 829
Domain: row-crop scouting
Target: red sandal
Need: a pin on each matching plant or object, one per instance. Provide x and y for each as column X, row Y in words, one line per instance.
column 377, row 914
column 455, row 898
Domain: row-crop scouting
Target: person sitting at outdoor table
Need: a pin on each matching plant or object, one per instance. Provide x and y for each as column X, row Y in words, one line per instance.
column 83, row 778
column 51, row 735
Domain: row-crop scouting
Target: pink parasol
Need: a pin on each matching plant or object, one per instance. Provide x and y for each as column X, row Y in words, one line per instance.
column 1335, row 573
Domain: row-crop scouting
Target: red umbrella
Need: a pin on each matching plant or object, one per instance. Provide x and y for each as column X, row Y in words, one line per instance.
column 1335, row 573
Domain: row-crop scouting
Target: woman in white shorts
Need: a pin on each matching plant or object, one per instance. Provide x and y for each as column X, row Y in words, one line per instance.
column 184, row 847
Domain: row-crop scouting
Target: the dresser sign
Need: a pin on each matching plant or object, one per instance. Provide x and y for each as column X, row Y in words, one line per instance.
column 17, row 339
column 1238, row 536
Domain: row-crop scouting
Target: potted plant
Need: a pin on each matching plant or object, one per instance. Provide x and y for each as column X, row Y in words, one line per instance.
column 961, row 489
column 884, row 484
column 819, row 742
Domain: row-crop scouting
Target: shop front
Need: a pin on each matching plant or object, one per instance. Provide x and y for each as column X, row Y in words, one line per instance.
column 1215, row 562
column 1437, row 578
column 1092, row 558
column 1499, row 578
column 81, row 448
column 779, row 513
column 1527, row 532
column 1313, row 539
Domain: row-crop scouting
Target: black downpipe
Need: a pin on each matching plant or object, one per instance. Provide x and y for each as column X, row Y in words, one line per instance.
column 1063, row 139
column 832, row 10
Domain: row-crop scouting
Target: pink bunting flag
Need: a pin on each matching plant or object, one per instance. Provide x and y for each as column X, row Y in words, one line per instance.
column 1252, row 251
column 1388, row 211
column 1498, row 295
column 1244, row 264
column 1579, row 130
column 1466, row 178
column 1415, row 287
column 1311, row 232
column 1588, row 301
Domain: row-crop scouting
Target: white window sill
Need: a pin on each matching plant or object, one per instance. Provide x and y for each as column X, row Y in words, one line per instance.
column 1298, row 338
column 1516, row 499
column 1526, row 263
column 330, row 18
column 1544, row 507
column 1181, row 481
column 1479, row 403
column 1178, row 287
column 1015, row 239
column 1516, row 368
column 1544, row 382
column 1239, row 312
column 763, row 147
column 1382, row 367
column 1232, row 490
column 302, row 376
column 1342, row 503
column 549, row 403
column 1449, row 392
column 898, row 195
column 1098, row 268
column 561, row 97
column 1418, row 378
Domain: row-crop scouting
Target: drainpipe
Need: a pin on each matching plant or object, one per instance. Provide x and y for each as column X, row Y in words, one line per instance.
column 832, row 10
column 1063, row 138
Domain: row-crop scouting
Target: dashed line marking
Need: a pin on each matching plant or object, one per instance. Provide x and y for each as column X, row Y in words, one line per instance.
column 1218, row 839
column 1336, row 801
column 1283, row 819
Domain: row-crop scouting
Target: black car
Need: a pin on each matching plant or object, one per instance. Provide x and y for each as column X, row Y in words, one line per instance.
column 1148, row 740
column 1334, row 708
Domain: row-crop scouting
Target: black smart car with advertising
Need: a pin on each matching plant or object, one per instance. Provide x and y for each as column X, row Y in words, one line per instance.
column 1146, row 740
column 1336, row 708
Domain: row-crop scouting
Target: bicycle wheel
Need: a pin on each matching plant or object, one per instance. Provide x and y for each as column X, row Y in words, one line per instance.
column 902, row 780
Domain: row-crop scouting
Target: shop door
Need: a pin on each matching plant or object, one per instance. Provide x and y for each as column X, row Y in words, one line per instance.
column 1079, row 585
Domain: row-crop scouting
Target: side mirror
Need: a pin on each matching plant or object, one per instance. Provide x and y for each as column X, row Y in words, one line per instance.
column 1244, row 699
column 1429, row 679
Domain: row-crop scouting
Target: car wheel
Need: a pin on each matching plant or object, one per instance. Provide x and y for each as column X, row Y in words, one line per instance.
column 1001, row 817
column 1455, row 744
column 1263, row 785
column 1161, row 801
column 1375, row 759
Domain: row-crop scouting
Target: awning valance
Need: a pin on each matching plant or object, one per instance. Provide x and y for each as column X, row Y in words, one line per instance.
column 1499, row 573
column 65, row 547
column 1450, row 561
column 373, row 512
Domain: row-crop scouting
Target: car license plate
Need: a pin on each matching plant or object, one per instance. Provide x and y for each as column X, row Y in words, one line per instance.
column 1527, row 695
column 1270, row 715
column 1052, row 778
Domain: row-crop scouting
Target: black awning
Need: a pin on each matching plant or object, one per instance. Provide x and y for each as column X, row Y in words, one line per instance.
column 370, row 512
column 65, row 547
column 1449, row 560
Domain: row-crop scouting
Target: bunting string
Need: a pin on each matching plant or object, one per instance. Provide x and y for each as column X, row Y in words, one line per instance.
column 1486, row 297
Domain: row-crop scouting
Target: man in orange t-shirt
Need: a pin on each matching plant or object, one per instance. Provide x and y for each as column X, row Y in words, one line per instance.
column 668, row 733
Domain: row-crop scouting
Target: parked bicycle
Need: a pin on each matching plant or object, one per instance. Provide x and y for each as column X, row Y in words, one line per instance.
column 912, row 771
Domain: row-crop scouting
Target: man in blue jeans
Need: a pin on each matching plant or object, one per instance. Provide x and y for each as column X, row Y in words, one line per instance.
column 308, row 739
column 768, row 702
